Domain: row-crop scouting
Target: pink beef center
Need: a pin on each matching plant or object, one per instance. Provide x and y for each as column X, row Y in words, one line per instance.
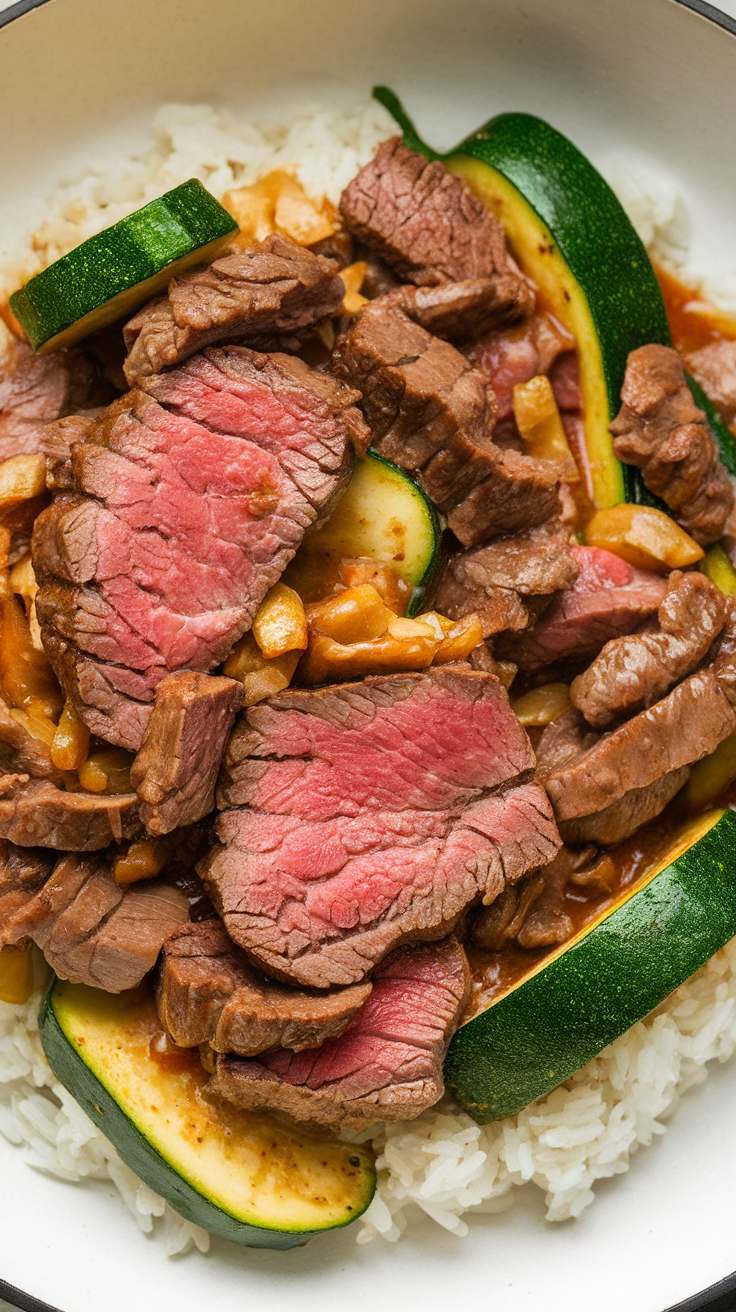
column 410, row 754
column 178, row 548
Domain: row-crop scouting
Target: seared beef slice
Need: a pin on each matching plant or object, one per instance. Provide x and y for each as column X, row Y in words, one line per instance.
column 90, row 930
column 272, row 288
column 429, row 227
column 632, row 673
column 497, row 582
column 388, row 1063
column 603, row 787
column 37, row 389
column 186, row 509
column 175, row 771
column 35, row 812
column 363, row 816
column 660, row 429
column 608, row 598
column 432, row 413
column 208, row 992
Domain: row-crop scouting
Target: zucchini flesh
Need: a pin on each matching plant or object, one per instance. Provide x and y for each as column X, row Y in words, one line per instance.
column 384, row 515
column 241, row 1175
column 612, row 973
column 113, row 273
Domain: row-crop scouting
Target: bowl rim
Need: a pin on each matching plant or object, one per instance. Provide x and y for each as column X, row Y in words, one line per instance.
column 717, row 1297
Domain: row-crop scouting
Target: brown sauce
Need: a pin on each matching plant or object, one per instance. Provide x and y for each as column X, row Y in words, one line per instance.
column 495, row 973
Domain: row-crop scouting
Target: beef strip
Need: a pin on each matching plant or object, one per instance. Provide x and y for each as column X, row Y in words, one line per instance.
column 660, row 429
column 563, row 740
column 714, row 367
column 495, row 581
column 208, row 992
column 431, row 413
column 185, row 511
column 457, row 311
column 632, row 673
column 430, row 228
column 23, row 871
column 609, row 598
column 622, row 818
column 175, row 771
column 274, row 287
column 684, row 726
column 90, row 930
column 57, row 441
column 37, row 389
column 35, row 813
column 386, row 1066
column 365, row 815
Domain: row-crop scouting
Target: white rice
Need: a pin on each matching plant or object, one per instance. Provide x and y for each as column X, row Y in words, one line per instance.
column 442, row 1165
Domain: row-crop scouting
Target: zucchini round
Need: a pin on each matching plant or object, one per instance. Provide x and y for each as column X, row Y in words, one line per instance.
column 611, row 974
column 241, row 1175
column 111, row 274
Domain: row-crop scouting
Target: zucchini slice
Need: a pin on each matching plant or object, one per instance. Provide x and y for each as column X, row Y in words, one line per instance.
column 111, row 274
column 567, row 229
column 586, row 993
column 242, row 1175
column 383, row 514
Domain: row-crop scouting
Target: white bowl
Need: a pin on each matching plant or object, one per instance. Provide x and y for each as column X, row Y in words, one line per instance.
column 79, row 80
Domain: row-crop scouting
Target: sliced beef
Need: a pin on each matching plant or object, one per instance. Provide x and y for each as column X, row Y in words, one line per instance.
column 609, row 598
column 23, row 871
column 684, row 726
column 660, row 429
column 56, row 443
column 185, row 511
column 21, row 752
column 175, row 771
column 208, row 992
column 37, row 389
column 35, row 813
column 458, row 311
column 90, row 930
column 495, row 581
column 364, row 816
column 563, row 740
column 386, row 1066
column 272, row 288
column 714, row 367
column 429, row 227
column 431, row 413
column 622, row 818
column 633, row 672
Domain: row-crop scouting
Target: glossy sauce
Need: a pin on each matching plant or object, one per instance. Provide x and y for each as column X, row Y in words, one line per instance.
column 693, row 321
column 495, row 973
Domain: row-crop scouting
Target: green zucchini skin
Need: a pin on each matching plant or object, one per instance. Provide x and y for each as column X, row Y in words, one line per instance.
column 142, row 1157
column 555, row 1022
column 183, row 222
column 580, row 209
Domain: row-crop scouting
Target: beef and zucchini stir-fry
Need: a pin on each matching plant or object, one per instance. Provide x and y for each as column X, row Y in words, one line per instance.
column 367, row 657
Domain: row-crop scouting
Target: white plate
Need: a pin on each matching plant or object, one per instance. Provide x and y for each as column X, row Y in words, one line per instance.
column 79, row 80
